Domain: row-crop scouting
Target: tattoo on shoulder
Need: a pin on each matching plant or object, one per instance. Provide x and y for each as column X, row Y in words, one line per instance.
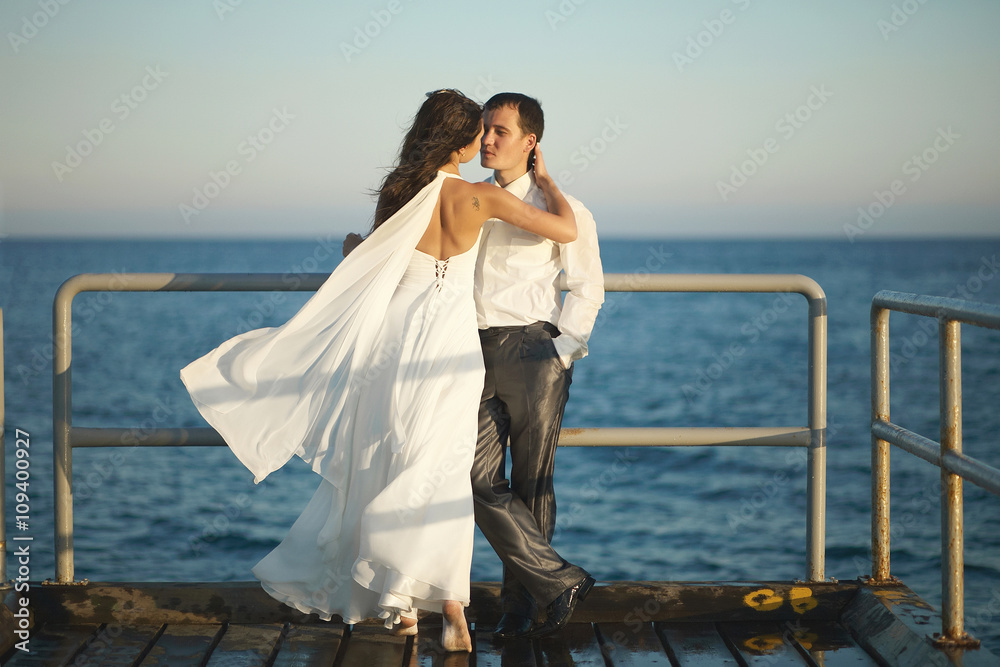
column 475, row 202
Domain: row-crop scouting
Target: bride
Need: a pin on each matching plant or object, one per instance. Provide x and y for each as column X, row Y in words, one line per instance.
column 376, row 383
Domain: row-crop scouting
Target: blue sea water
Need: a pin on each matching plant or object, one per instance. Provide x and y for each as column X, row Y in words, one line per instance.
column 176, row 514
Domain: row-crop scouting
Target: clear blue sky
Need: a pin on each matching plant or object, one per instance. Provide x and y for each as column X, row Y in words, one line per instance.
column 669, row 119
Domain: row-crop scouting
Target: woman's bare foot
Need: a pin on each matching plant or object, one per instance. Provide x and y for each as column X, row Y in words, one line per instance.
column 406, row 627
column 455, row 634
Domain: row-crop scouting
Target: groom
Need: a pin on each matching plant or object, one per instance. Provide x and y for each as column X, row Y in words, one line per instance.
column 530, row 339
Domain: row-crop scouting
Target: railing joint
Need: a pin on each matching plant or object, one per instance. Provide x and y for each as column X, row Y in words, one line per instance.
column 965, row 642
column 81, row 582
column 870, row 580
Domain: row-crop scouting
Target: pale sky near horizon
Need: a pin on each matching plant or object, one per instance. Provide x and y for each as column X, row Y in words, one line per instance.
column 730, row 118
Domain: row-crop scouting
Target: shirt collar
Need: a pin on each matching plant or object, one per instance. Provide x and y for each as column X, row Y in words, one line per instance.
column 520, row 186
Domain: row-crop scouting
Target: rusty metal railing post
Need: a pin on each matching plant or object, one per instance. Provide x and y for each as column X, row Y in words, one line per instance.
column 947, row 454
column 880, row 448
column 952, row 542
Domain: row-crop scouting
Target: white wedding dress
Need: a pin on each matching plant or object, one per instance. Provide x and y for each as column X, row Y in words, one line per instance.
column 376, row 383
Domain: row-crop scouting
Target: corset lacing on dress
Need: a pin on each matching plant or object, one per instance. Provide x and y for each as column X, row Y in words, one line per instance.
column 440, row 268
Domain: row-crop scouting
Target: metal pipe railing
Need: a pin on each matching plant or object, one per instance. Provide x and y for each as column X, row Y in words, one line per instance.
column 568, row 437
column 947, row 455
column 812, row 436
column 929, row 450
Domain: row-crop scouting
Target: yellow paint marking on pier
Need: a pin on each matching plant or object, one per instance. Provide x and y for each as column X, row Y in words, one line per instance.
column 805, row 638
column 763, row 644
column 766, row 599
column 763, row 599
column 802, row 599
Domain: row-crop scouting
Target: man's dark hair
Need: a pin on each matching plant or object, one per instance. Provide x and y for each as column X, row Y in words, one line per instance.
column 529, row 111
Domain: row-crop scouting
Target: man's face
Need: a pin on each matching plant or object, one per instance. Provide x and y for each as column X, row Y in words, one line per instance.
column 504, row 145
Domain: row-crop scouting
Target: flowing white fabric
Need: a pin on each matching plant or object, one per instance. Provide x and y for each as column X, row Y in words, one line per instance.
column 376, row 383
column 302, row 372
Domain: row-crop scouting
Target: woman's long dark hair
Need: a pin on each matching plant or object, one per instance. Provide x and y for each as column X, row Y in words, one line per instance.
column 446, row 121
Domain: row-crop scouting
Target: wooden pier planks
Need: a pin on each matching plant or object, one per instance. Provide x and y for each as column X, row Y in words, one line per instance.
column 53, row 645
column 183, row 645
column 310, row 646
column 695, row 644
column 763, row 643
column 892, row 622
column 251, row 644
column 117, row 646
column 631, row 644
column 577, row 644
column 426, row 649
column 493, row 652
column 831, row 645
column 627, row 623
column 373, row 646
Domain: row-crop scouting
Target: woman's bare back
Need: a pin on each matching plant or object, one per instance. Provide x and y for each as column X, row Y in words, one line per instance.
column 454, row 225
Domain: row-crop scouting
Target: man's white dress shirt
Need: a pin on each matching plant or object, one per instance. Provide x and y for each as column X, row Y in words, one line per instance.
column 517, row 275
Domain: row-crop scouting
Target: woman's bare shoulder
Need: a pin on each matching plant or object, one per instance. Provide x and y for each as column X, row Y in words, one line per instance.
column 456, row 189
column 462, row 185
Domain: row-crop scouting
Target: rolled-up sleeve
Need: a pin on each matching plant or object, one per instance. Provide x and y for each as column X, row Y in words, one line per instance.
column 581, row 262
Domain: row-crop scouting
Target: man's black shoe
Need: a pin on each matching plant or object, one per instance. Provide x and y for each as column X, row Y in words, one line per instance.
column 559, row 610
column 513, row 626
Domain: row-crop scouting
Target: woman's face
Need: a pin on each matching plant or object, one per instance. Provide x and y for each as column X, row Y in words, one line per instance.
column 473, row 148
